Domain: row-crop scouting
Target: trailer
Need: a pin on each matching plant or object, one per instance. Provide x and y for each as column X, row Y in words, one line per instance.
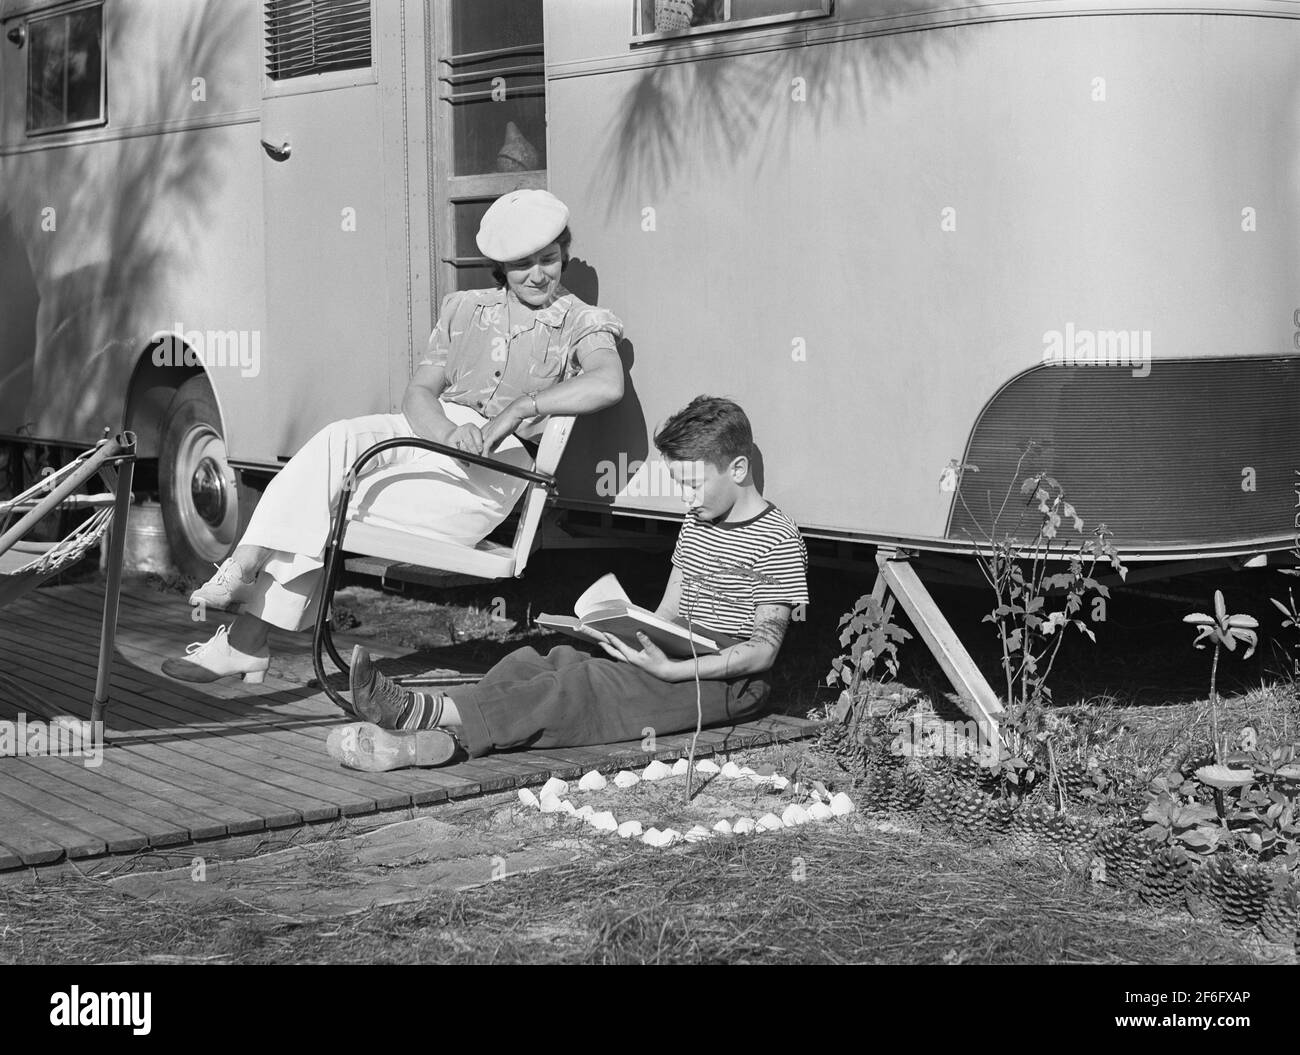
column 901, row 234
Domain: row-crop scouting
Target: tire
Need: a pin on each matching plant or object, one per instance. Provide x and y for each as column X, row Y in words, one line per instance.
column 199, row 491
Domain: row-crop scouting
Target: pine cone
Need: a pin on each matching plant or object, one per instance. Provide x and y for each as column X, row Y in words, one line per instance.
column 971, row 808
column 1282, row 913
column 1247, row 894
column 1032, row 827
column 1075, row 778
column 1207, row 891
column 941, row 796
column 1165, row 876
column 1001, row 816
column 908, row 793
column 1124, row 854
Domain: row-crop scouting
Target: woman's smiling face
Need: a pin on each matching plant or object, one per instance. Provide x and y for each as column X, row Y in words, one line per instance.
column 535, row 279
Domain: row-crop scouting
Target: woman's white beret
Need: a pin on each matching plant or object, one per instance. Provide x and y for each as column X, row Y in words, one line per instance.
column 521, row 223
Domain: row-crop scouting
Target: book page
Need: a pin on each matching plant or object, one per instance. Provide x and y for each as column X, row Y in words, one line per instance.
column 603, row 593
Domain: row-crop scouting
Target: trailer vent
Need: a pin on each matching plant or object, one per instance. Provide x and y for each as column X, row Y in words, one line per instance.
column 316, row 36
column 1200, row 453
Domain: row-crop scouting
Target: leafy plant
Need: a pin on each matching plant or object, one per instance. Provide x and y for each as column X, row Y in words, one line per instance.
column 1224, row 631
column 870, row 634
column 1175, row 817
column 1041, row 584
column 1018, row 566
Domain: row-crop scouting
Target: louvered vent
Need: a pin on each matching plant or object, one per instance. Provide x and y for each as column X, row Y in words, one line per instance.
column 1203, row 452
column 316, row 36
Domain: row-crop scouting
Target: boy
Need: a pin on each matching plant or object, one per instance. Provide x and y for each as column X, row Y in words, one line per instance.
column 739, row 567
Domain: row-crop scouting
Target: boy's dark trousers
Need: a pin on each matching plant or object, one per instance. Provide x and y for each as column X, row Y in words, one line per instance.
column 568, row 698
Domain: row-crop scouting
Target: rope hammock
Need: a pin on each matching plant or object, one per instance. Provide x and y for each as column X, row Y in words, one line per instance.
column 25, row 564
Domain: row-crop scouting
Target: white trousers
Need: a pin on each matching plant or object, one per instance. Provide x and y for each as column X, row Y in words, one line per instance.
column 423, row 492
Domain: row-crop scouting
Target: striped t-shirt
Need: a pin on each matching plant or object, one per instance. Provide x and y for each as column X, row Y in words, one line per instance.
column 728, row 569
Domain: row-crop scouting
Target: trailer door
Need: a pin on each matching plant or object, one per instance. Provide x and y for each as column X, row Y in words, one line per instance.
column 324, row 181
column 489, row 99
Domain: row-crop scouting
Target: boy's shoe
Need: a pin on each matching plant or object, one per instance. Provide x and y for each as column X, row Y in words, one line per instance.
column 381, row 700
column 363, row 745
column 227, row 588
column 375, row 698
column 214, row 659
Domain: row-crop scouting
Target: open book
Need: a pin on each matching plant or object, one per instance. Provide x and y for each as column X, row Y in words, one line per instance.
column 606, row 609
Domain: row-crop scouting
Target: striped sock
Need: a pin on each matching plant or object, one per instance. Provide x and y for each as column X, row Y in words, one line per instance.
column 423, row 710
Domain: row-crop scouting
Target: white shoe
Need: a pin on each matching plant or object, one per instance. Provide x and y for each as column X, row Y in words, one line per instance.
column 226, row 588
column 213, row 659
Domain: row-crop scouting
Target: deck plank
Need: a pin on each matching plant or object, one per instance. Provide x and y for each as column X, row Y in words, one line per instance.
column 188, row 762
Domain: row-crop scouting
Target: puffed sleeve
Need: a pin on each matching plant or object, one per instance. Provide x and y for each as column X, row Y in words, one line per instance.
column 438, row 352
column 593, row 328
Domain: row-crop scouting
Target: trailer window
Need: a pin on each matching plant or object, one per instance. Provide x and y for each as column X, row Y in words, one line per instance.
column 316, row 36
column 657, row 19
column 65, row 70
column 495, row 83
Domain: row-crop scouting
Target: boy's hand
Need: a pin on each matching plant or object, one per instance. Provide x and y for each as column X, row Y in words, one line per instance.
column 651, row 658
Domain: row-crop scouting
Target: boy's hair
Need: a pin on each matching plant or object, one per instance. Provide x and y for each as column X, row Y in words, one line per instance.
column 708, row 429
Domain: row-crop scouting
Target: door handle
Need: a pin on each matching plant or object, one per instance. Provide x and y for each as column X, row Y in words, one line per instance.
column 277, row 153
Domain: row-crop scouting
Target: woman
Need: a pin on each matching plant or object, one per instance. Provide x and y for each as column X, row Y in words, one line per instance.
column 499, row 362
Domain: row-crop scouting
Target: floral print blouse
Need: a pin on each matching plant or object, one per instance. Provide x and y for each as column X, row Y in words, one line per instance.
column 486, row 367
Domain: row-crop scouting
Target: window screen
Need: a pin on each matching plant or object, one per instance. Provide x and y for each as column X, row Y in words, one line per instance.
column 316, row 36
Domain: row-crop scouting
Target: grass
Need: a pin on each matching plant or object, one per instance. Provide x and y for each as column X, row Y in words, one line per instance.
column 864, row 896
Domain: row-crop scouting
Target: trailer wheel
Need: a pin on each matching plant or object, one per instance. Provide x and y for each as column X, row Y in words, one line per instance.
column 198, row 488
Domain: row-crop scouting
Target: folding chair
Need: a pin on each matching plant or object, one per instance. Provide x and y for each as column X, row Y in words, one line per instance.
column 25, row 565
column 487, row 560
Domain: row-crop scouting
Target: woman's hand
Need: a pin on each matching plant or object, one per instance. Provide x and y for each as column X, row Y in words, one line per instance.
column 467, row 438
column 506, row 422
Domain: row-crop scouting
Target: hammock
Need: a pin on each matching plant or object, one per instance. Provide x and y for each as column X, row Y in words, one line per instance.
column 24, row 565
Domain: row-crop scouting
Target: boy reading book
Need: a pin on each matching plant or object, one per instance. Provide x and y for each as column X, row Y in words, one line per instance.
column 739, row 568
column 606, row 611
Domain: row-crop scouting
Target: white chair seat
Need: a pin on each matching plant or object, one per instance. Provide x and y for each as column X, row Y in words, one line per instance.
column 487, row 560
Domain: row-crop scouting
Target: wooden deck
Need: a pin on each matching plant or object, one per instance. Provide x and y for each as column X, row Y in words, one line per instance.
column 185, row 763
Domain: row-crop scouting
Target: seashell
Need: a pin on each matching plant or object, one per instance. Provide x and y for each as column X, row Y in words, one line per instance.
column 670, row 836
column 707, row 766
column 743, row 826
column 603, row 821
column 769, row 822
column 555, row 786
column 730, row 770
column 629, row 828
column 656, row 770
column 624, row 779
column 568, row 807
column 698, row 834
column 841, row 805
column 527, row 798
column 551, row 804
column 654, row 837
column 723, row 827
column 779, row 782
column 794, row 814
column 681, row 767
column 583, row 812
column 820, row 811
column 745, row 771
column 592, row 781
